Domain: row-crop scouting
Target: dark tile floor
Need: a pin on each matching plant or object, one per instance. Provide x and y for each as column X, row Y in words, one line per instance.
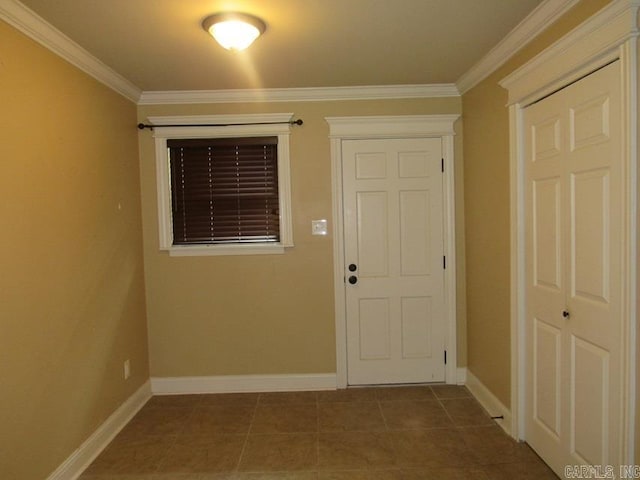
column 434, row 432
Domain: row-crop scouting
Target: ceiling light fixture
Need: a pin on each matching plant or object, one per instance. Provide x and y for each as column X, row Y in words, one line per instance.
column 234, row 31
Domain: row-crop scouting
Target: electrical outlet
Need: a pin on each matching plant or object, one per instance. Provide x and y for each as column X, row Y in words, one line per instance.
column 127, row 369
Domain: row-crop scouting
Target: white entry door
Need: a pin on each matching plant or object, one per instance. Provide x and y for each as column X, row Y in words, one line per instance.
column 394, row 281
column 573, row 254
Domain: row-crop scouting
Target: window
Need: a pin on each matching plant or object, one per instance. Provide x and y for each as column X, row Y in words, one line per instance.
column 223, row 190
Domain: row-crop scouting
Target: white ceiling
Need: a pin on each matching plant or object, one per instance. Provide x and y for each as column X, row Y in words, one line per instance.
column 159, row 45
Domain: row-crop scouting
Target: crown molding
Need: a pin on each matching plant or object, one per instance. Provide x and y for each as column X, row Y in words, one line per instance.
column 533, row 24
column 28, row 22
column 323, row 94
column 35, row 27
column 568, row 60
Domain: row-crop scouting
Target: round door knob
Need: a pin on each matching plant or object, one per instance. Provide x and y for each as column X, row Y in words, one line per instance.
column 353, row 279
column 353, row 267
column 565, row 314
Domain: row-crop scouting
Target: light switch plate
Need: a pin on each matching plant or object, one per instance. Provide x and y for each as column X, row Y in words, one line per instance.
column 318, row 227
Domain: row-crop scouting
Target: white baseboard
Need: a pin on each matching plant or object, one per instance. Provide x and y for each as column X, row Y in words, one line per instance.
column 242, row 383
column 489, row 401
column 461, row 375
column 79, row 460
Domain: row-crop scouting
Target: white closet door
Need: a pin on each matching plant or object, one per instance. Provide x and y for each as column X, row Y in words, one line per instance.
column 574, row 248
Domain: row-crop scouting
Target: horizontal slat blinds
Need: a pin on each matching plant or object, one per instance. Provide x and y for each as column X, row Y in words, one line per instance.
column 224, row 190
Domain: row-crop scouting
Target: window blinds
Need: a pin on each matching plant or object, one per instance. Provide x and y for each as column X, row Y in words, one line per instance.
column 224, row 190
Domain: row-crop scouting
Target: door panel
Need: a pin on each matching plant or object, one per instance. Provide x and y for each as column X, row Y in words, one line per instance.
column 415, row 229
column 545, row 139
column 590, row 235
column 589, row 123
column 374, row 331
column 573, row 251
column 371, row 165
column 589, row 402
column 393, row 214
column 372, row 234
column 547, row 239
column 545, row 264
column 547, row 374
column 416, row 327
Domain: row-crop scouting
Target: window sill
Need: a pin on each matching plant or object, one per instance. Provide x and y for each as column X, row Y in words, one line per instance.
column 216, row 250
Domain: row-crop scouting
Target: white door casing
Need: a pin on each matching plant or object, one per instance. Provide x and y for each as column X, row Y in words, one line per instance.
column 573, row 199
column 393, row 223
column 609, row 35
column 385, row 127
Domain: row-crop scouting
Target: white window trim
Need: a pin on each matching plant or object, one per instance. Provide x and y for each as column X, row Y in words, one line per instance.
column 237, row 126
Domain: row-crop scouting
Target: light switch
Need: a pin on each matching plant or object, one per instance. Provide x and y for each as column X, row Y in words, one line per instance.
column 318, row 227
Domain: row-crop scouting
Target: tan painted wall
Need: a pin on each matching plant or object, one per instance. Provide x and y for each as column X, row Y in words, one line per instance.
column 71, row 285
column 487, row 227
column 263, row 314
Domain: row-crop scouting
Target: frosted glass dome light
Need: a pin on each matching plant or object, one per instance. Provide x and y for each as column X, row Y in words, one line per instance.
column 234, row 31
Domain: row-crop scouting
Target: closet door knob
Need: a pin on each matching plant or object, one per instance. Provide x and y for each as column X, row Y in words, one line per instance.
column 565, row 313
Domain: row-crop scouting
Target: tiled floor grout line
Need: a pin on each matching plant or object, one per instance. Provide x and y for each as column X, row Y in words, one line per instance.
column 384, row 419
column 388, row 432
column 453, row 423
column 174, row 438
column 463, row 428
column 246, row 438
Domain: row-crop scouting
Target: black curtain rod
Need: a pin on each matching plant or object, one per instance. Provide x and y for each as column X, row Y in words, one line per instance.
column 142, row 126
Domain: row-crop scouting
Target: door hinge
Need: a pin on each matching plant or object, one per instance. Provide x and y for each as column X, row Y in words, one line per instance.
column 445, row 357
column 444, row 262
column 442, row 164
